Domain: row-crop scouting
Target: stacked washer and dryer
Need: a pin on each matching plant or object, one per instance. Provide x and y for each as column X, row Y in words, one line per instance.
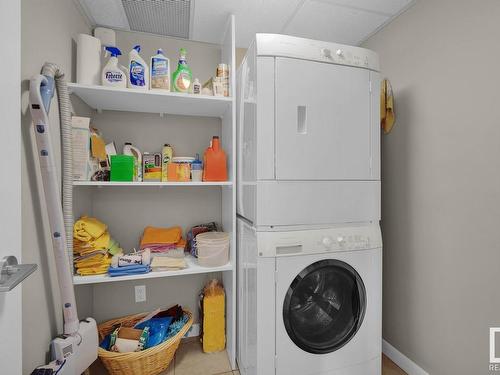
column 308, row 205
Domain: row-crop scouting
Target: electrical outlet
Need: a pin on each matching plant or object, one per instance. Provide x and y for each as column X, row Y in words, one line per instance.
column 140, row 293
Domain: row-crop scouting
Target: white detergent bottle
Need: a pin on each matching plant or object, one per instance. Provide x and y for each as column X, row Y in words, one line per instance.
column 128, row 149
column 112, row 74
column 160, row 72
column 138, row 70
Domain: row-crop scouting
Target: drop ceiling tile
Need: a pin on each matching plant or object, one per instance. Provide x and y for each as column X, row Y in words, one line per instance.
column 105, row 13
column 324, row 21
column 252, row 16
column 390, row 7
column 163, row 17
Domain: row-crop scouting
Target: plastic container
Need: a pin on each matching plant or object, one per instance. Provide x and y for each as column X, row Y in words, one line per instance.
column 182, row 77
column 197, row 169
column 166, row 154
column 160, row 72
column 183, row 168
column 138, row 70
column 128, row 149
column 112, row 74
column 215, row 162
column 213, row 249
column 122, row 168
column 196, row 86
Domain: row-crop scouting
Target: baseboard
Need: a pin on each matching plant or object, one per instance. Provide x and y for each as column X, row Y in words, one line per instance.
column 406, row 364
column 193, row 331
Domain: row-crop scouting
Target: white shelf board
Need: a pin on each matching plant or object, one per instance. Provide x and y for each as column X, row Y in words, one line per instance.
column 150, row 101
column 150, row 183
column 192, row 268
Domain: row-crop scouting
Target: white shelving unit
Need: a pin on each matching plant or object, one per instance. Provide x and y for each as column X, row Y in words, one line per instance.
column 130, row 100
column 192, row 269
column 150, row 183
column 92, row 194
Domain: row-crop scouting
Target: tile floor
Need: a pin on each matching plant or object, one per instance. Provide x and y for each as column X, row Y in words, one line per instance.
column 190, row 360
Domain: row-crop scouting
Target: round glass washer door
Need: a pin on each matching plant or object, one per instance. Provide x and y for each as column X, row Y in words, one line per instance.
column 324, row 306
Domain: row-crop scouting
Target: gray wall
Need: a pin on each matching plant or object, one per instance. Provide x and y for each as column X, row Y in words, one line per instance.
column 48, row 29
column 441, row 183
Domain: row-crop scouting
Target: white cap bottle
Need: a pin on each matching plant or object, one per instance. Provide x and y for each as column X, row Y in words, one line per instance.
column 138, row 70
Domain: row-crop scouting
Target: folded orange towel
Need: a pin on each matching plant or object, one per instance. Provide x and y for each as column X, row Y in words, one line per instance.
column 154, row 235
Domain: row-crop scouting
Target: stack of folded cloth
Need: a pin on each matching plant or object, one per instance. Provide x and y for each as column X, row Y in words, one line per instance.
column 164, row 243
column 92, row 246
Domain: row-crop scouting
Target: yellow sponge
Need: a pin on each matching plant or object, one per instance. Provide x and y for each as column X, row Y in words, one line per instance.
column 214, row 325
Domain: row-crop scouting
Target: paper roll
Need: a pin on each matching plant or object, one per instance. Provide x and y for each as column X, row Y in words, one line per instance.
column 88, row 60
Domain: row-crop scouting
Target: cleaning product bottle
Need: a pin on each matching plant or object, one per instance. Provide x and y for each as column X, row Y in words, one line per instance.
column 160, row 72
column 182, row 77
column 138, row 70
column 112, row 74
column 196, row 86
column 128, row 149
column 215, row 162
column 166, row 153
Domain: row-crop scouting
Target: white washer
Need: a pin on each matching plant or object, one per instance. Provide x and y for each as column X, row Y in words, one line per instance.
column 310, row 301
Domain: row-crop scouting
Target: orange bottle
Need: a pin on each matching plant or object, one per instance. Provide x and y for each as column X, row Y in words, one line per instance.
column 215, row 162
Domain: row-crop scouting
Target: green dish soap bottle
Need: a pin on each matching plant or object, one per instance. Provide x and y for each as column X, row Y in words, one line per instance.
column 182, row 77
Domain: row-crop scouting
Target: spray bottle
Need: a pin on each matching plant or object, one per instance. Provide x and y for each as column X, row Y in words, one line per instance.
column 182, row 77
column 112, row 74
column 138, row 70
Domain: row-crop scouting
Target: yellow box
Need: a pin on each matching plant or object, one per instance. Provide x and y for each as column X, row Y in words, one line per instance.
column 214, row 322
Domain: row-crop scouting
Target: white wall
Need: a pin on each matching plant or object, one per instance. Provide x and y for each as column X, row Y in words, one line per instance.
column 10, row 215
column 48, row 29
column 441, row 183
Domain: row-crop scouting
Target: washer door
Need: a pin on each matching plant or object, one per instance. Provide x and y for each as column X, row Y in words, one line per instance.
column 324, row 306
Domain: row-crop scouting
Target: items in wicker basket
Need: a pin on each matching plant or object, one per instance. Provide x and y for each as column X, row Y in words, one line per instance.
column 153, row 360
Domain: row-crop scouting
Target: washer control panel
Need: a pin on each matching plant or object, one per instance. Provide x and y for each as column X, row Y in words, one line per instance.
column 339, row 238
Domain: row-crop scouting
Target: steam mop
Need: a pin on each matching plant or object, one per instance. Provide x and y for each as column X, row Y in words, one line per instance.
column 74, row 351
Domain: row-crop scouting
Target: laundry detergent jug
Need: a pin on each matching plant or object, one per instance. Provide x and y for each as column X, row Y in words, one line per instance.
column 215, row 162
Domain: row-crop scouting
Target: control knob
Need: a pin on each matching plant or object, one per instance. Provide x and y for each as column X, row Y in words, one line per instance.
column 327, row 242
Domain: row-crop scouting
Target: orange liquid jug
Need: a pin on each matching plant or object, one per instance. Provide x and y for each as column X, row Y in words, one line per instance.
column 215, row 162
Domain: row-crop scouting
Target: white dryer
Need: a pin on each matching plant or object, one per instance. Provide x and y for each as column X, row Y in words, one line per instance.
column 308, row 135
column 310, row 301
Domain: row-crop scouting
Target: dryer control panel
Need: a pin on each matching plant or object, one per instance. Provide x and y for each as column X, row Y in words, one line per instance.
column 315, row 241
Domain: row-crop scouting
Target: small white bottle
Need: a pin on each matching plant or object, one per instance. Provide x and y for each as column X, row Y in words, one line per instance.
column 138, row 77
column 196, row 86
column 128, row 149
column 112, row 74
column 160, row 72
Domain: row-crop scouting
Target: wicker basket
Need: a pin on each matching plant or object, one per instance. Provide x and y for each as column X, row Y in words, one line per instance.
column 151, row 361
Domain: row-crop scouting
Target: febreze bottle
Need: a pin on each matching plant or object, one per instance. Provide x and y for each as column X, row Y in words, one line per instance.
column 112, row 74
column 182, row 77
column 138, row 70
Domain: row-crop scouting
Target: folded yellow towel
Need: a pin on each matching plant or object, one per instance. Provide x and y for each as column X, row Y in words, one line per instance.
column 154, row 235
column 92, row 271
column 96, row 260
column 88, row 228
column 101, row 243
